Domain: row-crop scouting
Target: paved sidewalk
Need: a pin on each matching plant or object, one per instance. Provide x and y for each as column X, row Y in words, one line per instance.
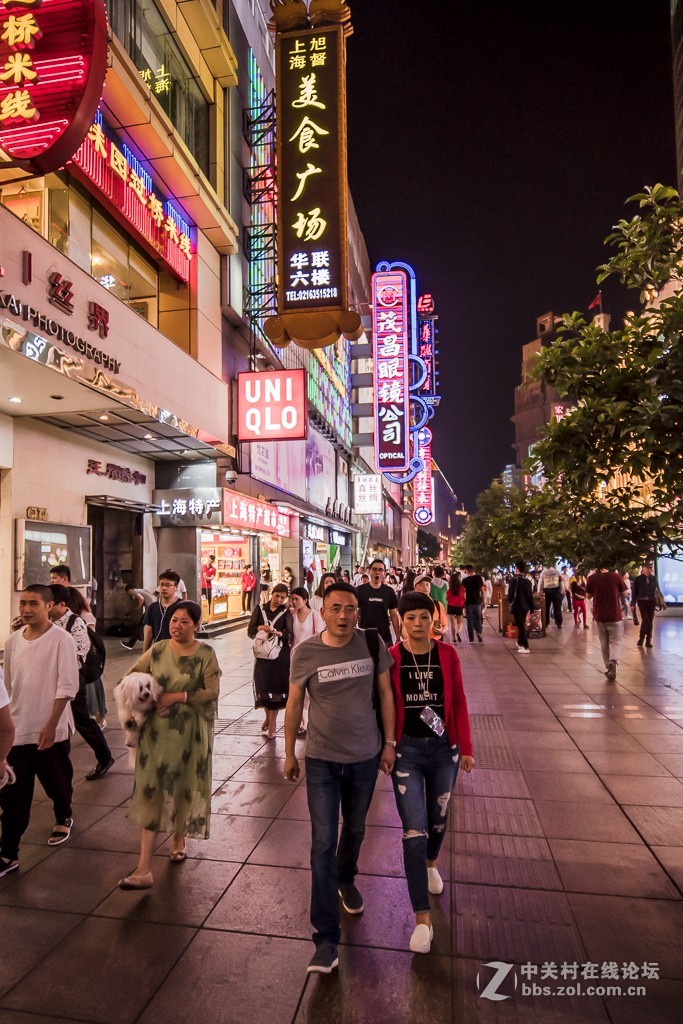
column 566, row 846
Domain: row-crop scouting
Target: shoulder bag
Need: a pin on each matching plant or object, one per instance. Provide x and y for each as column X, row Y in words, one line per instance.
column 267, row 648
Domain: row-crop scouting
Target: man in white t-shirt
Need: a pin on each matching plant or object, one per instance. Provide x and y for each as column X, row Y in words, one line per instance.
column 41, row 675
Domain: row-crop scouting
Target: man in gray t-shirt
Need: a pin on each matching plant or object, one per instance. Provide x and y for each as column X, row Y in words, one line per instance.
column 343, row 752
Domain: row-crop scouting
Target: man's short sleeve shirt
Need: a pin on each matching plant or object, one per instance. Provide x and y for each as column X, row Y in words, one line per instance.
column 342, row 723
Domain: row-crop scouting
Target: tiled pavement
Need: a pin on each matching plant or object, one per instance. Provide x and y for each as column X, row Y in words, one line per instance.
column 566, row 846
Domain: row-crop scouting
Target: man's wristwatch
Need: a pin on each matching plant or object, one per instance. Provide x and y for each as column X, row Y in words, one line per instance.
column 390, row 743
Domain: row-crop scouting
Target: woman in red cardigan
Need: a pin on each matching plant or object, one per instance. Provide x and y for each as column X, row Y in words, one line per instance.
column 433, row 741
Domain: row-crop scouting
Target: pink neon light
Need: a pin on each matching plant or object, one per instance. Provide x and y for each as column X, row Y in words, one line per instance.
column 391, row 385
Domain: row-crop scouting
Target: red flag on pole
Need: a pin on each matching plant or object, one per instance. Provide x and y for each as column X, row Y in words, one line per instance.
column 597, row 301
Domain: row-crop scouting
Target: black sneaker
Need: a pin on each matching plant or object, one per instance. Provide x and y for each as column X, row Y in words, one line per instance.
column 324, row 960
column 99, row 771
column 480, row 638
column 648, row 645
column 128, row 645
column 639, row 644
column 352, row 901
column 7, row 865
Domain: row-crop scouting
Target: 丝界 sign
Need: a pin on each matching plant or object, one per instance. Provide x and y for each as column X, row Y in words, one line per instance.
column 391, row 385
column 53, row 59
column 311, row 119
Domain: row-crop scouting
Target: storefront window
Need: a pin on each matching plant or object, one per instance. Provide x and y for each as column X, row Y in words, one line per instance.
column 144, row 34
column 231, row 556
column 69, row 218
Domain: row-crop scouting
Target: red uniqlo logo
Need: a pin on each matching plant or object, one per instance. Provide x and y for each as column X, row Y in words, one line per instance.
column 271, row 406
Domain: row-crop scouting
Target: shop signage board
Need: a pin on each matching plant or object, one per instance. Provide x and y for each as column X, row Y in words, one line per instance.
column 311, row 131
column 391, row 384
column 367, row 494
column 271, row 406
column 423, row 484
column 53, row 59
column 126, row 187
column 252, row 514
column 184, row 506
column 426, row 350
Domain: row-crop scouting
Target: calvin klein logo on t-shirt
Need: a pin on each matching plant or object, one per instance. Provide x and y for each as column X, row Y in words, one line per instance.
column 347, row 670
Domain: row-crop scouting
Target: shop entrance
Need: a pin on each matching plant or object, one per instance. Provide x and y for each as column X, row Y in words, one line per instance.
column 117, row 558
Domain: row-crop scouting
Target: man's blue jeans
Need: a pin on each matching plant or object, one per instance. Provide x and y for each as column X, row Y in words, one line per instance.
column 334, row 859
column 423, row 778
column 475, row 622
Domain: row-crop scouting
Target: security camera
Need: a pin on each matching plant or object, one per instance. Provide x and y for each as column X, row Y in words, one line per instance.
column 230, row 476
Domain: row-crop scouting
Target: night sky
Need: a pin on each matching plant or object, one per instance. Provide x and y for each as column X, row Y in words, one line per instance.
column 492, row 146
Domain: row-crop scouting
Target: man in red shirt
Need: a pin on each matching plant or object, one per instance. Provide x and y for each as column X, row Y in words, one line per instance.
column 248, row 584
column 605, row 588
column 208, row 573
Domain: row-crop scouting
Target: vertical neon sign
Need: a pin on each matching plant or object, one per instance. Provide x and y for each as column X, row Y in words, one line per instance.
column 423, row 484
column 391, row 384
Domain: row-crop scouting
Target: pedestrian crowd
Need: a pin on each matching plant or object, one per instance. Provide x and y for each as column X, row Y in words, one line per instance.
column 365, row 667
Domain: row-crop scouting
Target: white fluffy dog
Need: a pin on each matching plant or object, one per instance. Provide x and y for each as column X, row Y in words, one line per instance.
column 135, row 696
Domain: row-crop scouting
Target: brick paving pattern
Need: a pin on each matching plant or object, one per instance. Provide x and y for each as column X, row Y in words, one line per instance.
column 565, row 845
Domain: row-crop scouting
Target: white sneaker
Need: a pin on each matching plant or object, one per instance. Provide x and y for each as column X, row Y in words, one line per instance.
column 421, row 939
column 434, row 881
column 524, row 650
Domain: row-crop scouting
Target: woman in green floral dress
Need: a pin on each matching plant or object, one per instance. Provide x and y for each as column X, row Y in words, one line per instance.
column 172, row 790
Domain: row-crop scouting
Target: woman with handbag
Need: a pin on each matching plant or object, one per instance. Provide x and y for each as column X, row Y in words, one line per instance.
column 272, row 630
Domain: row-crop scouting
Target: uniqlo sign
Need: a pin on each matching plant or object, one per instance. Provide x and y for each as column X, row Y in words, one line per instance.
column 390, row 353
column 271, row 406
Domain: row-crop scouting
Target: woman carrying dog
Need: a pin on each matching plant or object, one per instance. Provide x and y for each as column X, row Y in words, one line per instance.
column 173, row 767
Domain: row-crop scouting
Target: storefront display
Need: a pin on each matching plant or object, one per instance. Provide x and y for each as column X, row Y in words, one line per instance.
column 269, row 559
column 231, row 557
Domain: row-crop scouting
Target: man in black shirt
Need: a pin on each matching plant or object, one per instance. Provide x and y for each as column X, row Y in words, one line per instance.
column 644, row 594
column 474, row 601
column 378, row 603
column 158, row 616
column 521, row 598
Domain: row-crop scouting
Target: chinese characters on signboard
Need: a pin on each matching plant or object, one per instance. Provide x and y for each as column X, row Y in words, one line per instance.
column 271, row 406
column 426, row 351
column 52, row 66
column 311, row 121
column 390, row 354
column 121, row 473
column 252, row 514
column 367, row 494
column 128, row 186
column 423, row 484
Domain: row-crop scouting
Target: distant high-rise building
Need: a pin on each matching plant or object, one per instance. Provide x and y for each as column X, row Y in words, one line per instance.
column 536, row 402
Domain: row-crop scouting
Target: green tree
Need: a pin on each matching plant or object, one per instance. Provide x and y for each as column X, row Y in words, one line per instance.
column 428, row 546
column 613, row 467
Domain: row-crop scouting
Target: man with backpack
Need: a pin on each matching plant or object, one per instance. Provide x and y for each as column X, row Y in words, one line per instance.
column 345, row 671
column 90, row 652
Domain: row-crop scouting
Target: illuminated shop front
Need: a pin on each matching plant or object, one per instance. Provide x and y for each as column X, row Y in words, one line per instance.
column 194, row 524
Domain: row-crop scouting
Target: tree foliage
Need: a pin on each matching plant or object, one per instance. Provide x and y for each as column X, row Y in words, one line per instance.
column 612, row 468
column 428, row 546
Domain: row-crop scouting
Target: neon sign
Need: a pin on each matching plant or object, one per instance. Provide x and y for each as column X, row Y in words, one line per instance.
column 391, row 385
column 250, row 513
column 53, row 59
column 425, row 304
column 311, row 170
column 124, row 181
column 423, row 484
column 271, row 406
column 426, row 332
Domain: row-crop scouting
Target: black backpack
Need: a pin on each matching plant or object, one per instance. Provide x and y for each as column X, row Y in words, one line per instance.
column 92, row 668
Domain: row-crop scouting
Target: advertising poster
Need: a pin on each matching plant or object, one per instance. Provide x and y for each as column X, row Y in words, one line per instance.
column 280, row 463
column 321, row 470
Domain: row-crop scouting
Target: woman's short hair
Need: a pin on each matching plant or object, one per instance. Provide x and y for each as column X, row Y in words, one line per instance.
column 280, row 588
column 302, row 593
column 415, row 601
column 192, row 609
